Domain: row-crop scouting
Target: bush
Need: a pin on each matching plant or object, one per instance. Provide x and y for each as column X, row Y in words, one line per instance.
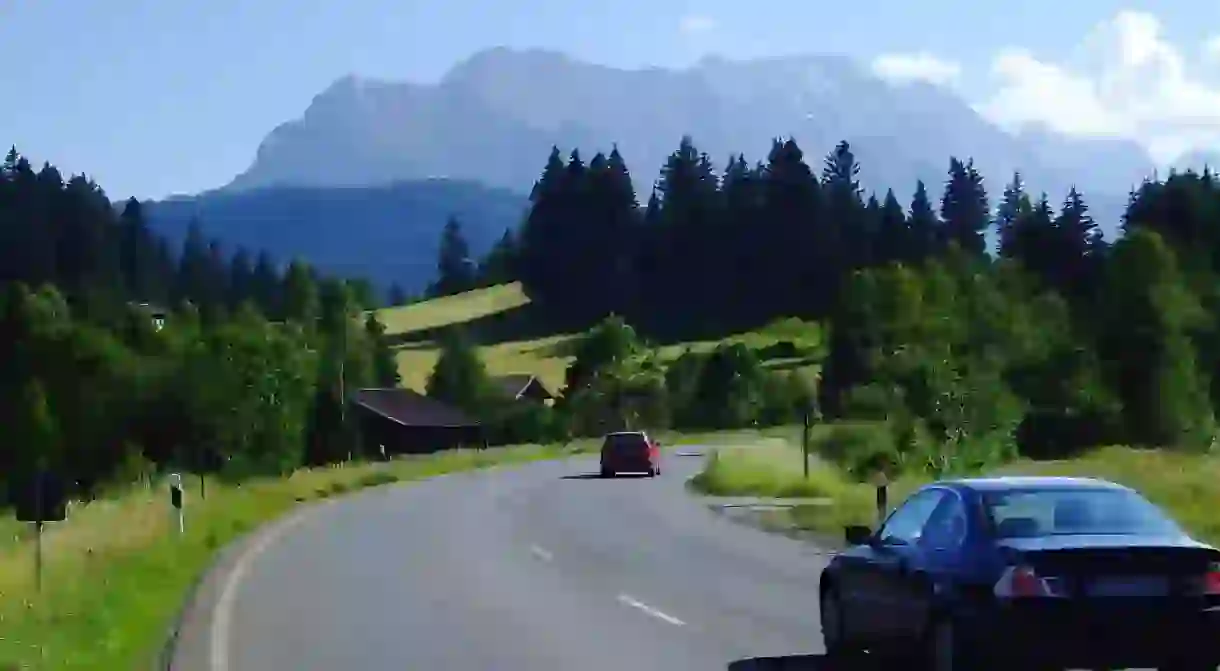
column 524, row 422
column 862, row 448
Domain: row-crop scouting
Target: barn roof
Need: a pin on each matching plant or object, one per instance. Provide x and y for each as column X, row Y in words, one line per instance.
column 515, row 385
column 410, row 408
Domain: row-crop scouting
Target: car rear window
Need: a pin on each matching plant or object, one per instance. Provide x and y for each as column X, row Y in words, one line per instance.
column 625, row 441
column 1064, row 511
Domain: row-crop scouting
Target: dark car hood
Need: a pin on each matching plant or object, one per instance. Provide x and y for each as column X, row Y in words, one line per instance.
column 1100, row 542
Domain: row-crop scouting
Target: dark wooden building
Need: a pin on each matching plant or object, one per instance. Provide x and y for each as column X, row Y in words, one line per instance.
column 406, row 422
column 518, row 387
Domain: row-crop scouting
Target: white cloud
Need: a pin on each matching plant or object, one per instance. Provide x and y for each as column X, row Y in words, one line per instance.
column 1211, row 49
column 696, row 24
column 1124, row 79
column 920, row 66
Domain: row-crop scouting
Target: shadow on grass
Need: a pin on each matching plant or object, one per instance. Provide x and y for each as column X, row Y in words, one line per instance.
column 787, row 363
column 812, row 663
column 413, row 345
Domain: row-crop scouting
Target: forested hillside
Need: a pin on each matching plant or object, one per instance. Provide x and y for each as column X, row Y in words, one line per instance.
column 384, row 234
column 1058, row 341
column 242, row 375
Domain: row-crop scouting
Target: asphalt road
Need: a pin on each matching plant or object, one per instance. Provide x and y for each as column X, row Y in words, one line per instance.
column 533, row 568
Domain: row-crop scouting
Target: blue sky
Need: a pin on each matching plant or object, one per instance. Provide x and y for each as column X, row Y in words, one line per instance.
column 152, row 97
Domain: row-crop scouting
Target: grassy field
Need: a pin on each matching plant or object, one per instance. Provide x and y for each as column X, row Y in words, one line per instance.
column 488, row 314
column 1186, row 485
column 116, row 572
column 499, row 319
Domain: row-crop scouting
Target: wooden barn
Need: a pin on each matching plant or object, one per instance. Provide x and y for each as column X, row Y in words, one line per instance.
column 406, row 422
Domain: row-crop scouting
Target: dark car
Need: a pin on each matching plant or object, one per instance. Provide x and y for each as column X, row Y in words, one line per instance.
column 1026, row 573
column 630, row 452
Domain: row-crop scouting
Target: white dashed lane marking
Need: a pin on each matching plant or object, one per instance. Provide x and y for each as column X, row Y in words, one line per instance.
column 541, row 553
column 635, row 603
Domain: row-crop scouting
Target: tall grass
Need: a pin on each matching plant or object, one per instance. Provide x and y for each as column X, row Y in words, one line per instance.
column 1186, row 485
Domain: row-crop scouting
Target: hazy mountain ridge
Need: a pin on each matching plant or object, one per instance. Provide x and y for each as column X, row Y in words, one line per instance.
column 362, row 182
column 386, row 234
column 494, row 116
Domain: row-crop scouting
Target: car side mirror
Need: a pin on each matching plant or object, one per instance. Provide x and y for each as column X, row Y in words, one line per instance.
column 858, row 535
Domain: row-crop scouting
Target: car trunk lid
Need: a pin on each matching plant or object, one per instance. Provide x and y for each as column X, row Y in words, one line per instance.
column 1118, row 565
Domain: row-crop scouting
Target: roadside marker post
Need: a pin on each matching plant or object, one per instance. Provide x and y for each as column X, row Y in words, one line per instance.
column 805, row 442
column 175, row 500
column 882, row 483
column 43, row 499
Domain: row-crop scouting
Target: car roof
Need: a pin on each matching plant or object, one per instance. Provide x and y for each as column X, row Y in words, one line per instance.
column 1017, row 482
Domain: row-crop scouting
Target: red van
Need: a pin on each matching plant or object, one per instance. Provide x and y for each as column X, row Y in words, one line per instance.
column 630, row 452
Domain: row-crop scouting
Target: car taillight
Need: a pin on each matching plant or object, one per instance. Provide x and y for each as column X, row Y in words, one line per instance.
column 1211, row 580
column 1021, row 582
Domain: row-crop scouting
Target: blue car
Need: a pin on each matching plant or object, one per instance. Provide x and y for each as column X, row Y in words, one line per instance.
column 1026, row 573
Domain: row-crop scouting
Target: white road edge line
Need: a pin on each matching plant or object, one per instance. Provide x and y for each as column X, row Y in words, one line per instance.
column 222, row 612
column 541, row 553
column 626, row 599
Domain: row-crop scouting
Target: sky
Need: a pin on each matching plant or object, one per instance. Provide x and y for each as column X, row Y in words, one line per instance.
column 154, row 97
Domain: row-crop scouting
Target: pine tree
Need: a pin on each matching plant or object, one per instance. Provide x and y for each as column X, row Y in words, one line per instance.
column 301, row 301
column 964, row 210
column 265, row 287
column 1033, row 241
column 459, row 376
column 455, row 269
column 385, row 364
column 240, row 283
column 1079, row 247
column 499, row 266
column 923, row 224
column 801, row 243
column 138, row 255
column 1012, row 204
column 688, row 191
column 542, row 229
column 841, row 173
column 193, row 275
column 893, row 232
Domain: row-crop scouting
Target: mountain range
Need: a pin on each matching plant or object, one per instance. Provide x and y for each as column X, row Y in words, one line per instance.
column 488, row 124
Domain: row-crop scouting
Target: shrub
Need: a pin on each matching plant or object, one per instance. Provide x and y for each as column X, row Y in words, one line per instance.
column 861, row 448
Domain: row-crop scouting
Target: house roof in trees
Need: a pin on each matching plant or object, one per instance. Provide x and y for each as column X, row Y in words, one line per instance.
column 410, row 408
column 515, row 386
column 152, row 308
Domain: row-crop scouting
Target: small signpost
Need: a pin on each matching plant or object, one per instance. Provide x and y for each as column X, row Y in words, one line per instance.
column 175, row 500
column 40, row 500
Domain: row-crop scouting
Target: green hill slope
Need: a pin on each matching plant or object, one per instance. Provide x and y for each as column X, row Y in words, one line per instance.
column 501, row 320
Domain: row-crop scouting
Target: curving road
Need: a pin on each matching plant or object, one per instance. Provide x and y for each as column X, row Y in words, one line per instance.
column 532, row 568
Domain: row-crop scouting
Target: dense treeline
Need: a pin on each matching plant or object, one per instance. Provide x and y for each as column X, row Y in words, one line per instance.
column 457, row 270
column 951, row 356
column 119, row 356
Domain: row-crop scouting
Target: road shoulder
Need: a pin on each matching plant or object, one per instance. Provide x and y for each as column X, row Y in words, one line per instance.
column 188, row 642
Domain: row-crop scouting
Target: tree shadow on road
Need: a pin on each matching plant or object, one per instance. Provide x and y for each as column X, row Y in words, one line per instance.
column 598, row 476
column 809, row 663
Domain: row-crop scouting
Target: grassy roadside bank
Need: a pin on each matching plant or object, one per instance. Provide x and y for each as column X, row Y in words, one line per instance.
column 116, row 572
column 1187, row 485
